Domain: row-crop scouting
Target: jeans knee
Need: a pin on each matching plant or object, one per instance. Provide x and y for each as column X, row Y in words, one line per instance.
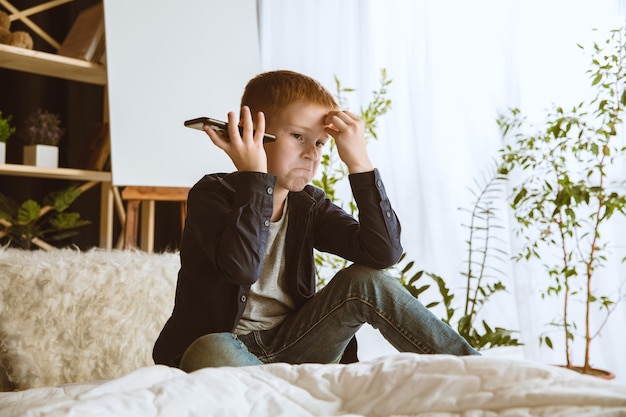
column 216, row 349
column 196, row 355
column 359, row 276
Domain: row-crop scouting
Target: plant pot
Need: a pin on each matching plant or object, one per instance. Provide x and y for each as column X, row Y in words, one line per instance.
column 45, row 156
column 3, row 153
column 598, row 373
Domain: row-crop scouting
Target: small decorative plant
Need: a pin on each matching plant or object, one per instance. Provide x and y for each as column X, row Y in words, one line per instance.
column 42, row 128
column 6, row 130
column 31, row 223
column 567, row 195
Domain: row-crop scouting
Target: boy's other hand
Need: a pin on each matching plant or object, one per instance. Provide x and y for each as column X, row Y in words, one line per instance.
column 246, row 149
column 348, row 130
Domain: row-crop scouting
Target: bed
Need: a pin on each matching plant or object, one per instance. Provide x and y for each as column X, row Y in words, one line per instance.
column 77, row 330
column 402, row 384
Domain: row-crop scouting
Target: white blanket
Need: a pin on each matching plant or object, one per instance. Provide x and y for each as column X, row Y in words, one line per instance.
column 397, row 385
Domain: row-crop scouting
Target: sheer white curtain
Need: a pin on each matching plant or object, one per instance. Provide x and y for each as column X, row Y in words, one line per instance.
column 455, row 64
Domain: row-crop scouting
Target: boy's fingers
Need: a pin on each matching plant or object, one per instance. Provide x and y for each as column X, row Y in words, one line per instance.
column 217, row 139
column 341, row 118
column 260, row 121
column 246, row 121
column 351, row 115
column 233, row 127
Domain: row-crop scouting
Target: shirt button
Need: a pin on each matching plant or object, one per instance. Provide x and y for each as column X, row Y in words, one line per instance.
column 270, row 190
column 243, row 298
column 379, row 183
column 388, row 214
column 266, row 223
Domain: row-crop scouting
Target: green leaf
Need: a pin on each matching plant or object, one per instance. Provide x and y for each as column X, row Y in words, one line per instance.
column 548, row 342
column 8, row 206
column 28, row 212
column 597, row 79
column 408, row 266
column 62, row 199
column 523, row 192
column 63, row 221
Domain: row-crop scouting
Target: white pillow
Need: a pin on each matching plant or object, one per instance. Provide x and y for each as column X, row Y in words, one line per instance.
column 68, row 316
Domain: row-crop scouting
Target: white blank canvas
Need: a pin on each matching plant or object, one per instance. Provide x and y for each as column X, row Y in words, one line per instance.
column 168, row 62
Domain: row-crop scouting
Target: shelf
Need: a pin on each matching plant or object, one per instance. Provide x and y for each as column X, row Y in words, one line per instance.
column 43, row 63
column 54, row 173
column 63, row 67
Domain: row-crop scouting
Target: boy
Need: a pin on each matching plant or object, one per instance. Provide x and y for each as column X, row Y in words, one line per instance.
column 246, row 290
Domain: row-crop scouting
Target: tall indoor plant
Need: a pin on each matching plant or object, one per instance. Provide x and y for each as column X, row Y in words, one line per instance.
column 568, row 194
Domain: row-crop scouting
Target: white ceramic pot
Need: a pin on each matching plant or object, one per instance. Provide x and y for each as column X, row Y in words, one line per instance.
column 45, row 156
column 3, row 153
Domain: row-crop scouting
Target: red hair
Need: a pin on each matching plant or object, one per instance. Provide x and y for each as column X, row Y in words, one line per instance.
column 271, row 92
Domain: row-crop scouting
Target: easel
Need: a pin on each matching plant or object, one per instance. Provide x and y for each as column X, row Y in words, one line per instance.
column 145, row 198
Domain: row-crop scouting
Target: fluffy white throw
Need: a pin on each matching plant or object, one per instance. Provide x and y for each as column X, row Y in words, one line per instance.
column 69, row 316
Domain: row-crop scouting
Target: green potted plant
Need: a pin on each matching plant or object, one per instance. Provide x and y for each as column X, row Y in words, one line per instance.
column 41, row 135
column 29, row 224
column 6, row 130
column 567, row 195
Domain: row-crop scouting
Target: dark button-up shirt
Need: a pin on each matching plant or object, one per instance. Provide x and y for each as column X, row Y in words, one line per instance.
column 223, row 243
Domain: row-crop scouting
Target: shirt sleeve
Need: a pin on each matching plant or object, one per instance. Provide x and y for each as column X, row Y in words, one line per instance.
column 229, row 221
column 374, row 239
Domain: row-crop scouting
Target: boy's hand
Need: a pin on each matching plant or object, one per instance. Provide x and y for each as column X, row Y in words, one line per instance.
column 245, row 150
column 349, row 133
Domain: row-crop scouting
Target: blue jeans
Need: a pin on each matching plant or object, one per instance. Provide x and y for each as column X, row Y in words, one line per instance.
column 320, row 330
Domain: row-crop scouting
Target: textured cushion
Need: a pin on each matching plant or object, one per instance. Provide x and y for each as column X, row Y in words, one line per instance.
column 69, row 316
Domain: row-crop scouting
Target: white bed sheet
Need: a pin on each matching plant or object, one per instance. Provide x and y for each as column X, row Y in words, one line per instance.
column 397, row 385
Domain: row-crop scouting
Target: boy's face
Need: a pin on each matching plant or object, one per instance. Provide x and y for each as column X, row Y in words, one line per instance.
column 300, row 137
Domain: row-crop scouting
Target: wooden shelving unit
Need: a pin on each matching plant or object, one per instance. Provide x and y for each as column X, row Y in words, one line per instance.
column 54, row 173
column 51, row 65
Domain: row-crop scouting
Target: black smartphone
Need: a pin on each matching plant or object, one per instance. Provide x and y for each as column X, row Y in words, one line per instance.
column 220, row 127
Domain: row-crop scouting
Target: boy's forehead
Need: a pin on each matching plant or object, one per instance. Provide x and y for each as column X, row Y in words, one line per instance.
column 301, row 116
column 305, row 110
